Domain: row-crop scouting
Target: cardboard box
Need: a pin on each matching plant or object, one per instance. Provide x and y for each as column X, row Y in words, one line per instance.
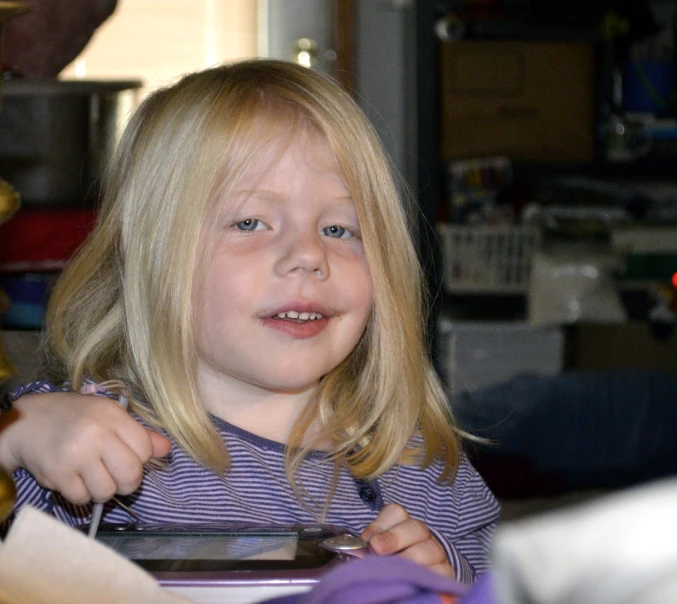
column 479, row 354
column 531, row 101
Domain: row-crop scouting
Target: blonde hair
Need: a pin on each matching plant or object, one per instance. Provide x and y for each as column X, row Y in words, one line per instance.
column 123, row 308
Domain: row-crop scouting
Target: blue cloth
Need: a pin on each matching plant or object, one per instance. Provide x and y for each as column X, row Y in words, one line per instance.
column 590, row 429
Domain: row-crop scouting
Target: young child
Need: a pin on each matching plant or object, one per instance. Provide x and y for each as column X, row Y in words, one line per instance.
column 252, row 283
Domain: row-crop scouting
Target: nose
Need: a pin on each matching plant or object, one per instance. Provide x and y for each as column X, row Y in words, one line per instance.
column 303, row 254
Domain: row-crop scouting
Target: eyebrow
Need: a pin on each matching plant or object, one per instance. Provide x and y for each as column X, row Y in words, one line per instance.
column 273, row 196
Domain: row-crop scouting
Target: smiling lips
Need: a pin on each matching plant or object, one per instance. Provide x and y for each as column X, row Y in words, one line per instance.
column 298, row 324
column 299, row 316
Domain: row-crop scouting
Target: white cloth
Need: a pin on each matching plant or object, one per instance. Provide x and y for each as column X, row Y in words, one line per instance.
column 621, row 549
column 43, row 561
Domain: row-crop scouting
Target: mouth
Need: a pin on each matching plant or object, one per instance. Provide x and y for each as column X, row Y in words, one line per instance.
column 298, row 317
column 299, row 312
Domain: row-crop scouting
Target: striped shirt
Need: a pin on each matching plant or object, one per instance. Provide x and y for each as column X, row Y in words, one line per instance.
column 462, row 515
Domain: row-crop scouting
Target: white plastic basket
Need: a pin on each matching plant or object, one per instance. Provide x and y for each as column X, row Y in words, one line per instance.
column 487, row 259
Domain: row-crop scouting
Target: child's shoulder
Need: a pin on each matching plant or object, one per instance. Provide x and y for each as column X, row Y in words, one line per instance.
column 429, row 479
column 418, row 488
column 436, row 466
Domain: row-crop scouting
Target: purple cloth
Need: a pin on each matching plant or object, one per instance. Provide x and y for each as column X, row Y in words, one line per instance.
column 482, row 592
column 388, row 580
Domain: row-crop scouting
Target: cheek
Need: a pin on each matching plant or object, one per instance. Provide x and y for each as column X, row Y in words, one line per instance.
column 199, row 307
column 362, row 291
column 230, row 288
column 366, row 281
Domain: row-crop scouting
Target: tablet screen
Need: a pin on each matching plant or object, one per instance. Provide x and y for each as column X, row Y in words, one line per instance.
column 159, row 546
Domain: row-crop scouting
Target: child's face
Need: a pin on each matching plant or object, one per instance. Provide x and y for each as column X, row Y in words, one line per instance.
column 287, row 293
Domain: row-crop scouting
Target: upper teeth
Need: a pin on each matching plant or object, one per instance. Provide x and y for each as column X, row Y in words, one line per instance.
column 304, row 316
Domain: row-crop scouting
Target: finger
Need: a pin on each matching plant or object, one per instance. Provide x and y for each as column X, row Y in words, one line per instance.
column 136, row 437
column 399, row 537
column 75, row 491
column 388, row 517
column 426, row 553
column 98, row 482
column 123, row 466
column 161, row 445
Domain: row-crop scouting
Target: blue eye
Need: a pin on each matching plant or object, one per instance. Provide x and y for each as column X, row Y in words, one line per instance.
column 338, row 232
column 250, row 224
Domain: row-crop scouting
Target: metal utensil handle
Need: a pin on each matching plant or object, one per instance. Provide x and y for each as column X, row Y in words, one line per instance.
column 97, row 511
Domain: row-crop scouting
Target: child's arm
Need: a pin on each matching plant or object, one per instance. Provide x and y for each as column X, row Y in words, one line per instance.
column 85, row 447
column 394, row 531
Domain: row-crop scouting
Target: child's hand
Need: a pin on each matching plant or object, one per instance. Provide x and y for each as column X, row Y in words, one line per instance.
column 85, row 447
column 395, row 532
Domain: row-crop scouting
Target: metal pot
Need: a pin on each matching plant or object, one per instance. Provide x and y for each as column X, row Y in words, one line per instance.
column 54, row 135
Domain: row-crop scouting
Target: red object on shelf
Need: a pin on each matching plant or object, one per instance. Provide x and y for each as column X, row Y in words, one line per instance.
column 42, row 240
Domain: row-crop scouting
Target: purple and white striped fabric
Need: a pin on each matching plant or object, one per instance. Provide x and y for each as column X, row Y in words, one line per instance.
column 462, row 515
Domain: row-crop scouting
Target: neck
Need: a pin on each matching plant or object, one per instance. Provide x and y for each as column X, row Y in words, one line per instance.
column 267, row 413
